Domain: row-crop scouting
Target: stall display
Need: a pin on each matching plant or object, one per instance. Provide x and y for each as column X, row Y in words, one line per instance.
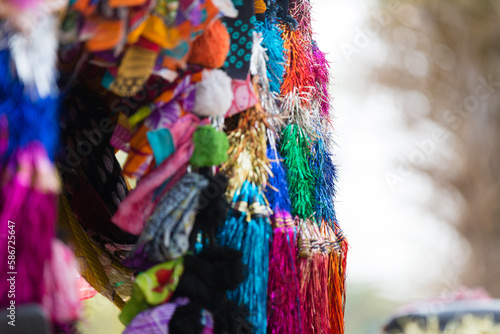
column 184, row 150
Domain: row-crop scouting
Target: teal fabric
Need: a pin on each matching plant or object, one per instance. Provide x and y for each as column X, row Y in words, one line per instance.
column 161, row 143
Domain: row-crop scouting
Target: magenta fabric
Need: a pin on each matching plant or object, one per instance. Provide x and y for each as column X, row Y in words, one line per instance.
column 61, row 297
column 33, row 216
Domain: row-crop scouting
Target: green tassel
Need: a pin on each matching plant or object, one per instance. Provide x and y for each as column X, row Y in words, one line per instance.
column 296, row 153
column 210, row 147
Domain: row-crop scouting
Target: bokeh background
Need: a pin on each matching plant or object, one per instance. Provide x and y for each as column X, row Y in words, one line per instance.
column 416, row 88
column 416, row 98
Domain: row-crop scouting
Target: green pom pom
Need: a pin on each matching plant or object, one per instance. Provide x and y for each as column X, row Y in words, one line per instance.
column 210, row 147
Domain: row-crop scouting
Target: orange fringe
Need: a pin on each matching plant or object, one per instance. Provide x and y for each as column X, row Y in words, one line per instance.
column 300, row 62
column 260, row 6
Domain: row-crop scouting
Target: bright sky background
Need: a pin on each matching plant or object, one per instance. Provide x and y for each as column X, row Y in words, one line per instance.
column 397, row 245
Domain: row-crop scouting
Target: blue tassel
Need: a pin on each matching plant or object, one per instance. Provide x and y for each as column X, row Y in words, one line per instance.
column 273, row 43
column 325, row 180
column 29, row 119
column 277, row 190
column 249, row 231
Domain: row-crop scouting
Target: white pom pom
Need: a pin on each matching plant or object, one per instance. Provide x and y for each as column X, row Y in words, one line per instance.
column 213, row 94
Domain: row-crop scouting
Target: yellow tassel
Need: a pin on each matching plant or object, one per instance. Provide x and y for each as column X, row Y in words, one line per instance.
column 247, row 152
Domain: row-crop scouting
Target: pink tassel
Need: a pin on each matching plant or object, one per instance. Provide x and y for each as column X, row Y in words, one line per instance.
column 321, row 71
column 314, row 273
column 283, row 303
column 27, row 220
column 301, row 11
column 61, row 298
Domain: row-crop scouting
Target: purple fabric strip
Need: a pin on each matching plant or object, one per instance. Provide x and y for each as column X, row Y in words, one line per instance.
column 155, row 320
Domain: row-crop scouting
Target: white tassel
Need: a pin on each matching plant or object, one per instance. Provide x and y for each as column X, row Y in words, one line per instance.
column 35, row 56
column 226, row 7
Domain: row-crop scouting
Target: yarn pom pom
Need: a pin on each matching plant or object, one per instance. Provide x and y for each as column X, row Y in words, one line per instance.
column 186, row 320
column 196, row 281
column 212, row 209
column 232, row 319
column 212, row 47
column 228, row 265
column 210, row 147
column 213, row 94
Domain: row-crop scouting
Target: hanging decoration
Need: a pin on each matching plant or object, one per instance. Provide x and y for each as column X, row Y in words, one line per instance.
column 185, row 150
column 283, row 290
column 29, row 186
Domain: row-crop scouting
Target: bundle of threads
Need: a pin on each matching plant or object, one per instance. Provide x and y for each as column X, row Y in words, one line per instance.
column 220, row 216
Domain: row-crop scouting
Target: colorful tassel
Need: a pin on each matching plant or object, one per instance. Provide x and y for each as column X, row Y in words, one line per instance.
column 29, row 183
column 283, row 290
column 336, row 282
column 28, row 119
column 284, row 314
column 27, row 221
column 344, row 247
column 300, row 71
column 268, row 100
column 276, row 53
column 295, row 151
column 313, row 273
column 321, row 69
column 247, row 152
column 326, row 177
column 247, row 229
column 300, row 74
column 301, row 11
column 277, row 190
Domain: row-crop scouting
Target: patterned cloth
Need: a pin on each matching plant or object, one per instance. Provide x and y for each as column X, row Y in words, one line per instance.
column 156, row 320
column 163, row 115
column 241, row 31
column 152, row 287
column 166, row 234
